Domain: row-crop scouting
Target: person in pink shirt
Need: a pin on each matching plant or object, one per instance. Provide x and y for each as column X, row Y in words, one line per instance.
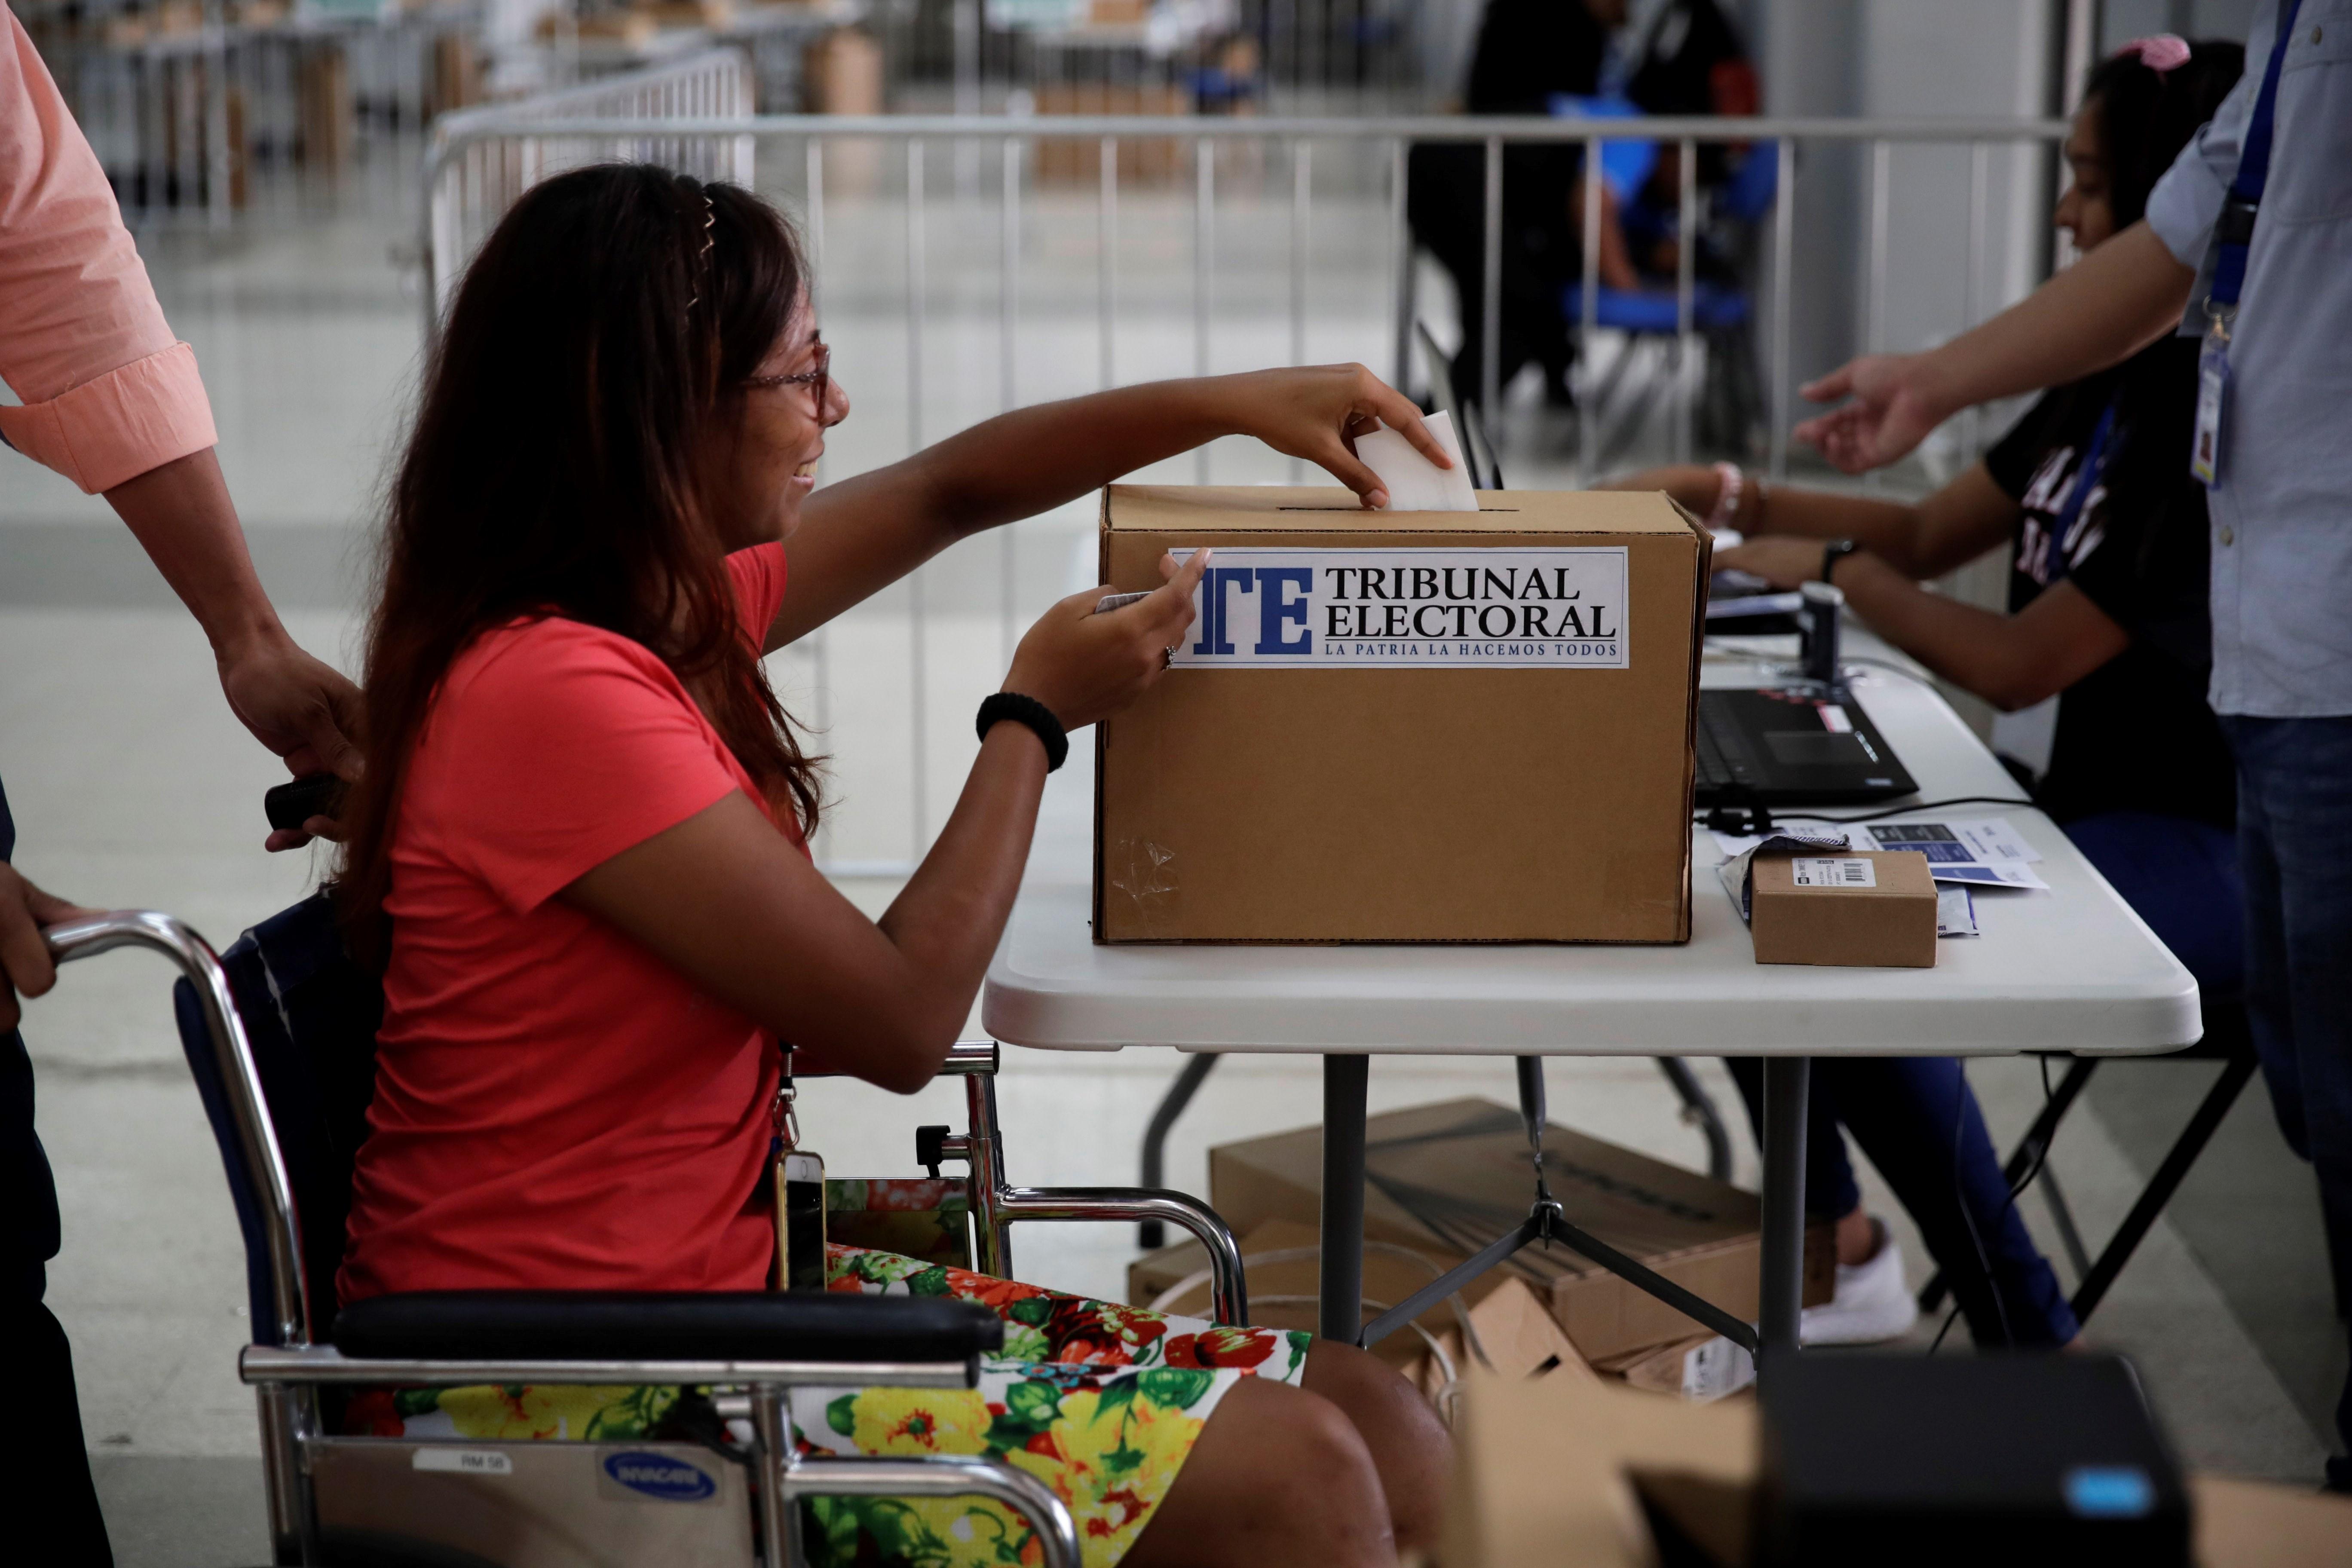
column 111, row 400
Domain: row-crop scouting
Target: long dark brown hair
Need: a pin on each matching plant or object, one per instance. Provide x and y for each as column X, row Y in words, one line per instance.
column 581, row 402
column 2147, row 116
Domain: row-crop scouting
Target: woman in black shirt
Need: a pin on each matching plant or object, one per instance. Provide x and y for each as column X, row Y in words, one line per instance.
column 2106, row 612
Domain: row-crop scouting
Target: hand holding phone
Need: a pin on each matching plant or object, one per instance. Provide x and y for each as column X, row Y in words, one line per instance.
column 292, row 803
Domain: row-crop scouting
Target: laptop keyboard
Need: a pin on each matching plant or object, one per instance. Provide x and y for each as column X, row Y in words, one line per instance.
column 1724, row 762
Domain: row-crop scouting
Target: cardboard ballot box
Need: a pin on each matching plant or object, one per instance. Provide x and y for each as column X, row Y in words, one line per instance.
column 1406, row 726
column 1843, row 907
column 1447, row 1179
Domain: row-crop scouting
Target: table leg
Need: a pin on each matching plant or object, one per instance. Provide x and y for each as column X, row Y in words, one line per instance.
column 1787, row 1084
column 1341, row 1316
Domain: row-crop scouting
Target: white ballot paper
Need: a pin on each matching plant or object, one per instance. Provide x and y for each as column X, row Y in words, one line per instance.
column 1414, row 483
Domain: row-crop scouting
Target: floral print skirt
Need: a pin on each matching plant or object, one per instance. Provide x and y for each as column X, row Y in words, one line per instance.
column 1101, row 1402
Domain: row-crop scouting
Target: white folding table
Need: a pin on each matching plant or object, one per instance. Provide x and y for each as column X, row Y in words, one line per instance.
column 2071, row 969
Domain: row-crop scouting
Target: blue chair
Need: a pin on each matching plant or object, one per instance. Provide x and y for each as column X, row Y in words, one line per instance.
column 1722, row 317
column 280, row 1034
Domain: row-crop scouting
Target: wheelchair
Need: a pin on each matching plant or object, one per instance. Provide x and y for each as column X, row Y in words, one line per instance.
column 279, row 1035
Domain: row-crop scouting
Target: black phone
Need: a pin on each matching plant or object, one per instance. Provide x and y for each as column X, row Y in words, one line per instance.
column 292, row 803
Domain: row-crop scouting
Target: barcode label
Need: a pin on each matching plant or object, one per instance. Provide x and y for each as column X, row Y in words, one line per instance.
column 1831, row 871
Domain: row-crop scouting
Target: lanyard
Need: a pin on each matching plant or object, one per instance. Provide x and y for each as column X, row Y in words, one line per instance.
column 2062, row 528
column 2235, row 227
column 785, row 1137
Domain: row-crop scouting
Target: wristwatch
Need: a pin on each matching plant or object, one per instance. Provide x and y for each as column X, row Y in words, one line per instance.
column 1835, row 551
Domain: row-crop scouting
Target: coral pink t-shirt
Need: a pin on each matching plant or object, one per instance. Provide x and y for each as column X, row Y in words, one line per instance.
column 555, row 1107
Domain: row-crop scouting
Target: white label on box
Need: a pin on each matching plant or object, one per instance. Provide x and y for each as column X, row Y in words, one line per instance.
column 463, row 1461
column 1714, row 1369
column 1832, row 871
column 1834, row 719
column 1408, row 609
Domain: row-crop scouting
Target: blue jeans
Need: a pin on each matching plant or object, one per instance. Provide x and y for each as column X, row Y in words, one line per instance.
column 2295, row 849
column 1918, row 1123
column 2182, row 877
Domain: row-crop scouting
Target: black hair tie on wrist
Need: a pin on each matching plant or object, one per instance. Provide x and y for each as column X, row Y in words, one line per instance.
column 1027, row 711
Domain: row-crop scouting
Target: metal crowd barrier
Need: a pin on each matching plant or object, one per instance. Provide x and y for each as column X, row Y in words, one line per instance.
column 481, row 159
column 481, row 162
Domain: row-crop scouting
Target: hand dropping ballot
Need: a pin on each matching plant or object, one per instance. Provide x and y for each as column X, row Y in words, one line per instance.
column 1413, row 482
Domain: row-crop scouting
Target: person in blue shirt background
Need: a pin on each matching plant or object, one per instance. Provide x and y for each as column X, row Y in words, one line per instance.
column 1556, row 56
column 2248, row 244
column 2106, row 605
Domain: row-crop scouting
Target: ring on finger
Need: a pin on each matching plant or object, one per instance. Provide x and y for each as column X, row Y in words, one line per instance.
column 1168, row 657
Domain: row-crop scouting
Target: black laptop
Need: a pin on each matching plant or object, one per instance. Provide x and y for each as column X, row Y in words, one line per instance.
column 1792, row 747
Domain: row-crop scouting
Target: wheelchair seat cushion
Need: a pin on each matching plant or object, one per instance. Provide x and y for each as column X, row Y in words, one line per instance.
column 631, row 1325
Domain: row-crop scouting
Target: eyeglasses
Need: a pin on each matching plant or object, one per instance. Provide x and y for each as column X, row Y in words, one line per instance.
column 818, row 379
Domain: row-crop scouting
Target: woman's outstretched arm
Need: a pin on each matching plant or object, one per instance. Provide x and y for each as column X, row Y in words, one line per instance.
column 2115, row 302
column 2010, row 661
column 863, row 534
column 723, row 899
column 1920, row 540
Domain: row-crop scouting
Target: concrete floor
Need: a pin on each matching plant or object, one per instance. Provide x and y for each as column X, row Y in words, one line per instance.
column 131, row 785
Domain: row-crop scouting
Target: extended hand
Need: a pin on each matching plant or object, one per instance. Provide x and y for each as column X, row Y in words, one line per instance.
column 1782, row 560
column 1317, row 412
column 25, row 963
column 1893, row 410
column 1087, row 667
column 301, row 709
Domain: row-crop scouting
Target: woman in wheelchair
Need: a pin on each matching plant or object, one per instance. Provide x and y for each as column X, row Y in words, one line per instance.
column 580, row 854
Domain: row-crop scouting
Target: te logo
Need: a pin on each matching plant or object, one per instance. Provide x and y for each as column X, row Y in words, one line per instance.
column 1279, row 609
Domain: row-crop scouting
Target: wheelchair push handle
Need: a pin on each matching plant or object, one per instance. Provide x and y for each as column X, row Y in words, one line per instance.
column 240, row 1082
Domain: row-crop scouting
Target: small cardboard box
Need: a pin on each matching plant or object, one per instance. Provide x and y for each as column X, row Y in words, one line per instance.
column 1406, row 726
column 1705, row 1368
column 1280, row 1260
column 1451, row 1177
column 1144, row 161
column 1516, row 1335
column 1843, row 907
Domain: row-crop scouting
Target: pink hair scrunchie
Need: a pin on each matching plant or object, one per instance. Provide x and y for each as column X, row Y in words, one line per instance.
column 2162, row 53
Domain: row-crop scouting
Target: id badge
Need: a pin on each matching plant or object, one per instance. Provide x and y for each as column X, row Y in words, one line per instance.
column 800, row 1221
column 2212, row 398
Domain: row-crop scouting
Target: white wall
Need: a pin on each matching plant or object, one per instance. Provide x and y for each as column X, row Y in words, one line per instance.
column 1908, row 59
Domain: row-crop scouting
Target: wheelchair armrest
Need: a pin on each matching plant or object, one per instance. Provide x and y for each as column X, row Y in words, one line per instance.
column 683, row 1325
column 966, row 1058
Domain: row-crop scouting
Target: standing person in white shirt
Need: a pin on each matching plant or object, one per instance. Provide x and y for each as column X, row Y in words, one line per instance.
column 2248, row 243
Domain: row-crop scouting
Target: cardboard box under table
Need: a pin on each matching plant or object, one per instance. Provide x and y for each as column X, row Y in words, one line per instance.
column 1406, row 726
column 1447, row 1179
